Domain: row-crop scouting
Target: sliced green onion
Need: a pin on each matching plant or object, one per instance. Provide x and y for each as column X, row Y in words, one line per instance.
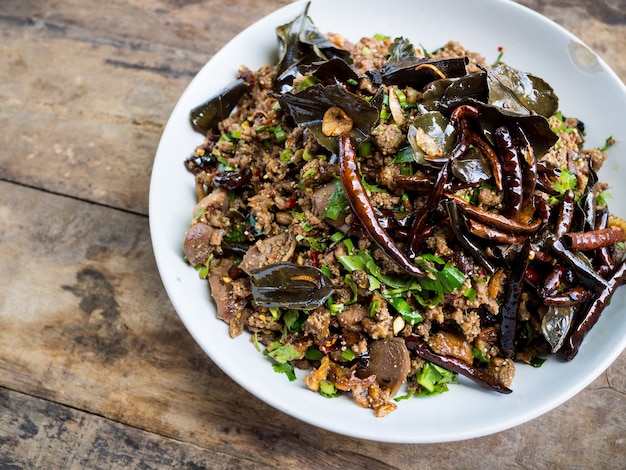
column 285, row 156
column 348, row 355
column 328, row 389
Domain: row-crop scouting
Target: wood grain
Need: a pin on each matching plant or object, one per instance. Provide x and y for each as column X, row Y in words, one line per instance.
column 96, row 369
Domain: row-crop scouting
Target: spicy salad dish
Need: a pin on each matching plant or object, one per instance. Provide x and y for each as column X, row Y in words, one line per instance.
column 386, row 217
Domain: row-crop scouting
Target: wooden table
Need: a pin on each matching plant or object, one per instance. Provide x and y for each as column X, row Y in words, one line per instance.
column 96, row 369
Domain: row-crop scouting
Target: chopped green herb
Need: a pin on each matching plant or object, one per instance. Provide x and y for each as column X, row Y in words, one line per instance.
column 470, row 294
column 276, row 313
column 279, row 134
column 314, row 354
column 567, row 180
column 610, row 141
column 223, row 165
column 365, row 148
column 435, row 379
column 405, row 155
column 285, row 156
column 204, row 269
column 348, row 355
column 310, row 172
column 307, row 82
column 294, row 319
column 286, row 369
column 282, row 353
column 498, row 60
column 478, row 354
column 602, row 198
column 328, row 389
column 338, row 203
column 316, row 244
column 536, row 361
column 408, row 313
column 307, row 155
column 237, row 233
column 199, row 213
column 353, row 287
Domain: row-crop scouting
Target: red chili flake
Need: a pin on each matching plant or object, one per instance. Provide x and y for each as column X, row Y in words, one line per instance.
column 315, row 259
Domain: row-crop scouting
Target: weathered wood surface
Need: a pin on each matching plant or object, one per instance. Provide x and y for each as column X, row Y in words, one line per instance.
column 96, row 370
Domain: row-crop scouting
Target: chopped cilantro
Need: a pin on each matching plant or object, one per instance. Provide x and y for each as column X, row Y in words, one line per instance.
column 286, row 369
column 405, row 155
column 282, row 353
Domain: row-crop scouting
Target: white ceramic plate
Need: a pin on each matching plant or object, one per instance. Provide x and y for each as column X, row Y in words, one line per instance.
column 587, row 89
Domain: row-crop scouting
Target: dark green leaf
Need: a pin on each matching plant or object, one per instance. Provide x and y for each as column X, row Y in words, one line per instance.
column 472, row 167
column 301, row 43
column 286, row 369
column 307, row 108
column 419, row 73
column 207, row 115
column 520, row 93
column 536, row 128
column 401, row 50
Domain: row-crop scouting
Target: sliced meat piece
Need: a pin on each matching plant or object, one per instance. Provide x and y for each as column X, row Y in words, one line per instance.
column 278, row 248
column 197, row 244
column 389, row 361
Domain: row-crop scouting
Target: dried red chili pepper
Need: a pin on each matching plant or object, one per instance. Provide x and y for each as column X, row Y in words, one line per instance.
column 588, row 277
column 565, row 215
column 592, row 314
column 230, row 180
column 567, row 298
column 593, row 239
column 529, row 165
column 477, row 252
column 605, row 262
column 466, row 137
column 511, row 172
column 421, row 350
column 552, row 281
column 496, row 220
column 418, row 232
column 512, row 300
column 363, row 209
column 495, row 235
column 465, row 111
